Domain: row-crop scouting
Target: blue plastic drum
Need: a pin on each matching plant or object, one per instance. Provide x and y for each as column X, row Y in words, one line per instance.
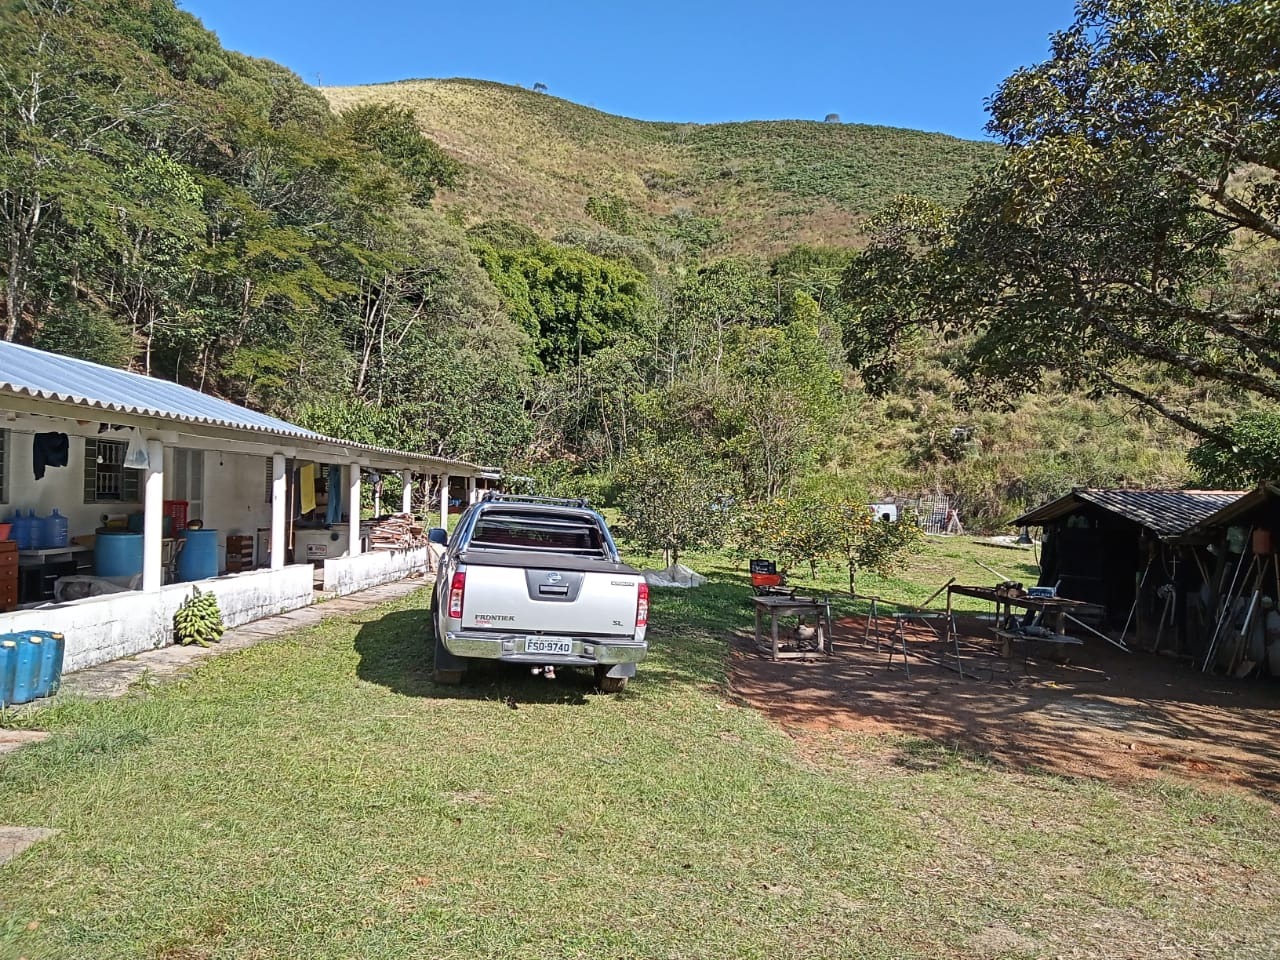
column 26, row 676
column 117, row 554
column 199, row 557
column 8, row 665
column 53, row 649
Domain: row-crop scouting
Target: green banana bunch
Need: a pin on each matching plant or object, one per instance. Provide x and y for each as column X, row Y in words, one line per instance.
column 198, row 620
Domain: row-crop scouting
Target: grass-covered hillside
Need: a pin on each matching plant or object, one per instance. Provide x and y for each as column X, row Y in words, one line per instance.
column 762, row 186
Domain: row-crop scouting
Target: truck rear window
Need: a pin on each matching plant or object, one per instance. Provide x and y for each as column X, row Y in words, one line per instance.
column 554, row 533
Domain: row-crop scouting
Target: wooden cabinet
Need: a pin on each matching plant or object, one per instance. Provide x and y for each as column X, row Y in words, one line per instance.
column 239, row 553
column 8, row 575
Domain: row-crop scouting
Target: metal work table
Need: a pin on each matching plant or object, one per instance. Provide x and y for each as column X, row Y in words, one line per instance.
column 778, row 606
column 45, row 554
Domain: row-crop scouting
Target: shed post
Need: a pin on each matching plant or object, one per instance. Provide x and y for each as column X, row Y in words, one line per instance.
column 279, row 494
column 444, row 500
column 406, row 491
column 353, row 499
column 471, row 490
column 153, row 518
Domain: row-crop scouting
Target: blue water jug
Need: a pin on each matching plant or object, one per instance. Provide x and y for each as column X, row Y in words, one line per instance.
column 22, row 531
column 56, row 533
column 26, row 675
column 53, row 648
column 8, row 665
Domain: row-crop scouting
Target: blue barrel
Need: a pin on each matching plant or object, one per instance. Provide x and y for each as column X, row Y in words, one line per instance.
column 199, row 557
column 26, row 675
column 53, row 648
column 8, row 666
column 117, row 554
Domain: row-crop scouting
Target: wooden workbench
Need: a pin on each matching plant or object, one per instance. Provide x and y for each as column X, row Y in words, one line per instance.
column 777, row 606
column 1056, row 608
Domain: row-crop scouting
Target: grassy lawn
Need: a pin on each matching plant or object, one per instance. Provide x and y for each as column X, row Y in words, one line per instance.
column 320, row 798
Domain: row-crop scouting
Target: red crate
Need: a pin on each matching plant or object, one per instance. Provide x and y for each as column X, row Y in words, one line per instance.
column 176, row 511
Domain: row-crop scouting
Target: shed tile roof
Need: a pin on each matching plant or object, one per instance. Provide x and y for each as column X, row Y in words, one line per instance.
column 1240, row 507
column 1166, row 513
column 28, row 372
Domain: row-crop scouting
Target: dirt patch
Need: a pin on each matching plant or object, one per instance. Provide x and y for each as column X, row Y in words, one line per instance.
column 16, row 840
column 1100, row 713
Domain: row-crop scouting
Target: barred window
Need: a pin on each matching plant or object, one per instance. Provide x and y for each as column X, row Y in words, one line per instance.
column 106, row 480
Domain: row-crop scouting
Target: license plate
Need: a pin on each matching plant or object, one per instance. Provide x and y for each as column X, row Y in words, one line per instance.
column 557, row 645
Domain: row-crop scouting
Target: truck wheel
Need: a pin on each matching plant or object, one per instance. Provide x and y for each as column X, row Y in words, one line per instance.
column 449, row 670
column 447, row 678
column 608, row 684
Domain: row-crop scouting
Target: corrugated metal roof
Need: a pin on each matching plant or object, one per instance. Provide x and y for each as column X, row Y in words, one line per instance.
column 25, row 371
column 1166, row 513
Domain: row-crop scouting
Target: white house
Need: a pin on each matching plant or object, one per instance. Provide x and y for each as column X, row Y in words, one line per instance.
column 106, row 447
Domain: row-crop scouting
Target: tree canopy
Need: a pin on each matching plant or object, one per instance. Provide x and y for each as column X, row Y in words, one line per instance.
column 1131, row 226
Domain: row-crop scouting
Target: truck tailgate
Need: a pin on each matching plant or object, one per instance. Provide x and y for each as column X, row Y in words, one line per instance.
column 550, row 601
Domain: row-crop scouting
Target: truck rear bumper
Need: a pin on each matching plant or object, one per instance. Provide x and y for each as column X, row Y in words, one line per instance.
column 510, row 648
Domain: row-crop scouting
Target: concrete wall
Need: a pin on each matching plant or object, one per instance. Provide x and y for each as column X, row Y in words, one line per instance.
column 234, row 490
column 61, row 487
column 343, row 575
column 235, row 498
column 99, row 629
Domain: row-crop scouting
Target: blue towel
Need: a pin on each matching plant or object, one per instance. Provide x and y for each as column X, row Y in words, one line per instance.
column 334, row 513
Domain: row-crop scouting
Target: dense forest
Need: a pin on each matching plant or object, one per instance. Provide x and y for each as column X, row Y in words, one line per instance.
column 763, row 309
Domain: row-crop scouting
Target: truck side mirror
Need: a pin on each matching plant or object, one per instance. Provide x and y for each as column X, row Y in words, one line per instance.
column 438, row 535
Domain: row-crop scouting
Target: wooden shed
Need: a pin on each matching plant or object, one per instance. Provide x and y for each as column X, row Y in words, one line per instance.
column 1241, row 595
column 1119, row 549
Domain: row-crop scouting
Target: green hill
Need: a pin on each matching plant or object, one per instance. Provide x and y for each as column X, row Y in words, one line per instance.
column 761, row 186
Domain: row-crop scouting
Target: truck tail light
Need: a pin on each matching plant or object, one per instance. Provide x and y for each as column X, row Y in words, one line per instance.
column 456, row 589
column 642, row 604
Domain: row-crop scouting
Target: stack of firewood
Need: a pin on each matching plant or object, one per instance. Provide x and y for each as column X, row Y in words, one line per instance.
column 398, row 532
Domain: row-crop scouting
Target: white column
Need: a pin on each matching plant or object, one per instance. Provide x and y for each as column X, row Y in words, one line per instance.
column 471, row 490
column 353, row 500
column 406, row 494
column 153, row 518
column 444, row 500
column 279, row 498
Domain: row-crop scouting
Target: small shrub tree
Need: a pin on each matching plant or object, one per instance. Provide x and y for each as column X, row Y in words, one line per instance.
column 790, row 530
column 878, row 545
column 673, row 498
column 815, row 528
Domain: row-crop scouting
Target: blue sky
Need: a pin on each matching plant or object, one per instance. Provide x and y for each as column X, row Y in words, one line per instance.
column 926, row 64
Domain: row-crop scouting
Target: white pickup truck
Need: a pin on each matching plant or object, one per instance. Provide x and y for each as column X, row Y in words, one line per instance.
column 537, row 581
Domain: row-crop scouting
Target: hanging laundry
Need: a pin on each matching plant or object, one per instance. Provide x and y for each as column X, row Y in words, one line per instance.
column 308, row 483
column 48, row 450
column 334, row 513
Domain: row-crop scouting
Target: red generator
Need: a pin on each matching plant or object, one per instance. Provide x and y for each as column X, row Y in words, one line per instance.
column 765, row 576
